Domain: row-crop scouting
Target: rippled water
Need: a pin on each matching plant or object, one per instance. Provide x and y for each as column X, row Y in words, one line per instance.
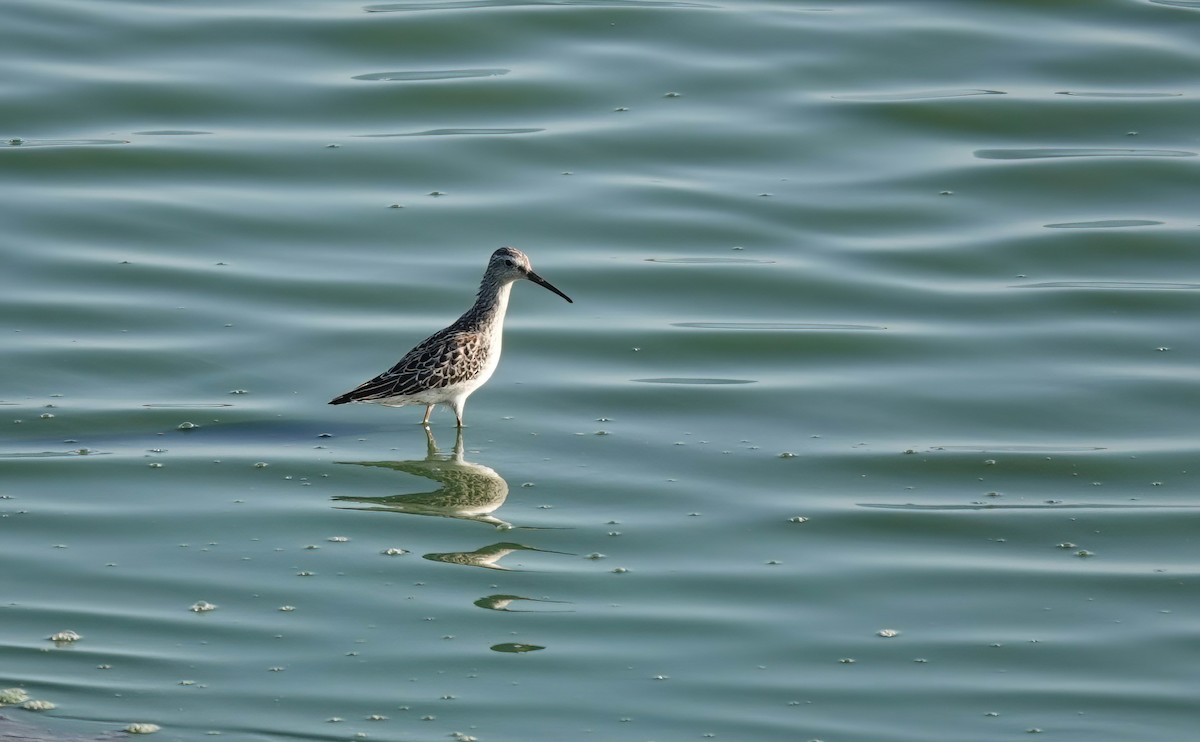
column 873, row 418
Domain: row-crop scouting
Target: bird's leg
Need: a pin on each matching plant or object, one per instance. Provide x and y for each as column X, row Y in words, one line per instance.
column 428, row 410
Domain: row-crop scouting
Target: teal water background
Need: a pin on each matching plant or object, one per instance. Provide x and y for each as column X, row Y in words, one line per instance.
column 885, row 323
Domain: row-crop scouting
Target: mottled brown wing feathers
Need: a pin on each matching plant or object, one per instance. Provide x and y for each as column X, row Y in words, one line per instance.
column 448, row 357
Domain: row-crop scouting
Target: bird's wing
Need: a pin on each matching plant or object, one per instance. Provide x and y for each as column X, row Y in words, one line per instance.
column 445, row 358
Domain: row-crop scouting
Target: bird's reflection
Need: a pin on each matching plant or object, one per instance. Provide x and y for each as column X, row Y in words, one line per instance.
column 468, row 491
column 504, row 603
column 487, row 557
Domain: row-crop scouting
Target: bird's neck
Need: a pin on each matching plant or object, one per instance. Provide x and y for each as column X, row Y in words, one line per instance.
column 491, row 304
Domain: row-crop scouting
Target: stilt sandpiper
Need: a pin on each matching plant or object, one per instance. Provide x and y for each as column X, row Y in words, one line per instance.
column 451, row 363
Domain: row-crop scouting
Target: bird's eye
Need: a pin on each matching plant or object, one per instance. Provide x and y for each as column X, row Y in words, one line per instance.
column 510, row 262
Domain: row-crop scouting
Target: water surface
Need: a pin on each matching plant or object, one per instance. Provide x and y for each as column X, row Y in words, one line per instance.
column 873, row 419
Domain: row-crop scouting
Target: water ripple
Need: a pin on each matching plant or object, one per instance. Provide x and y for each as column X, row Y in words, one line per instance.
column 788, row 326
column 1115, row 94
column 469, row 4
column 688, row 380
column 171, row 133
column 1112, row 285
column 918, row 95
column 706, row 261
column 49, row 454
column 1020, row 448
column 451, row 133
column 1189, row 4
column 1034, row 506
column 1105, row 224
column 62, row 142
column 417, row 75
column 1045, row 152
column 187, row 405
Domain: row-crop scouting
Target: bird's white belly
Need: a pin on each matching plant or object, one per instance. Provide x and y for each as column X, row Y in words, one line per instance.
column 441, row 395
column 454, row 393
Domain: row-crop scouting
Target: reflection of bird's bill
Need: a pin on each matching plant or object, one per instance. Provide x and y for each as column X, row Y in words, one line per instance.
column 546, row 284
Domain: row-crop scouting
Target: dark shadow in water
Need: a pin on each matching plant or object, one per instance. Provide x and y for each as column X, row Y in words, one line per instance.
column 515, row 647
column 468, row 491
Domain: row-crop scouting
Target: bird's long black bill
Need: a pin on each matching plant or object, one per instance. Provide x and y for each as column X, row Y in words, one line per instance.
column 543, row 282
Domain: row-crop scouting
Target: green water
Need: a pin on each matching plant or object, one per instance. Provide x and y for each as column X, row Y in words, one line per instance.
column 874, row 418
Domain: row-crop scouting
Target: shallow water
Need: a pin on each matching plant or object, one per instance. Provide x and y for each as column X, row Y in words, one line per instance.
column 873, row 418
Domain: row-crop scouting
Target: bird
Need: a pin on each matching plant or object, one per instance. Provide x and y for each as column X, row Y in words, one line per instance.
column 446, row 367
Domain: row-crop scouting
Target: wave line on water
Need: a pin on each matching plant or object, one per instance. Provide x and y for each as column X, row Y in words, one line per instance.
column 1111, row 285
column 451, row 132
column 1106, row 224
column 426, row 75
column 916, row 95
column 1042, row 506
column 17, row 142
column 1188, row 4
column 187, row 405
column 474, row 4
column 1017, row 448
column 1115, row 94
column 50, row 454
column 171, row 133
column 779, row 326
column 697, row 381
column 1038, row 153
column 708, row 261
